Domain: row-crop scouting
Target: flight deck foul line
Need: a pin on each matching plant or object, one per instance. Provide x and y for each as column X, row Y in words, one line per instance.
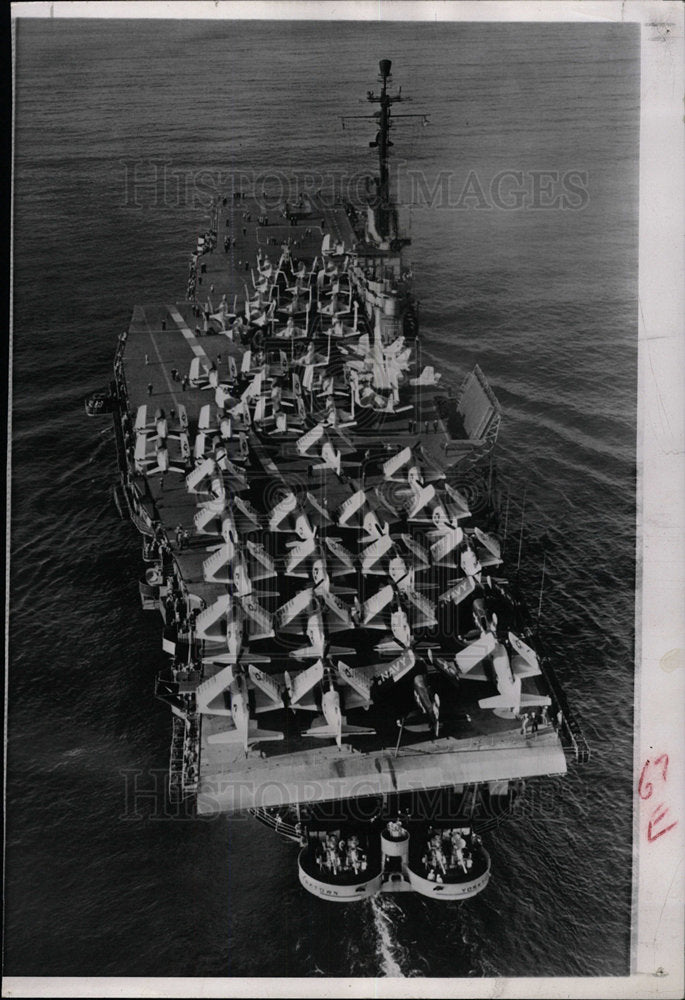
column 162, row 365
column 197, row 350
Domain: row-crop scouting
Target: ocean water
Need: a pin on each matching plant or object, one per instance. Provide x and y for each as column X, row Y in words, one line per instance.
column 543, row 298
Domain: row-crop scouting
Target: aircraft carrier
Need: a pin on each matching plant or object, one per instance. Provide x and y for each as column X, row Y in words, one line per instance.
column 349, row 655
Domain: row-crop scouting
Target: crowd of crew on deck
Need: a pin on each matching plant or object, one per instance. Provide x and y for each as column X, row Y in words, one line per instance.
column 205, row 244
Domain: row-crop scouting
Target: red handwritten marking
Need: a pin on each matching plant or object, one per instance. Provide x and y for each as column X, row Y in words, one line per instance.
column 648, row 788
column 647, row 785
column 645, row 790
column 661, row 812
column 664, row 758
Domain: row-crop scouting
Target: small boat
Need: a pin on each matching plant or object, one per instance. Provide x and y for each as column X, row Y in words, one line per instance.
column 99, row 402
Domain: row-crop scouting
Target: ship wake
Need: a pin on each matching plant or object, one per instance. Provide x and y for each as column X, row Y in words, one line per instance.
column 393, row 957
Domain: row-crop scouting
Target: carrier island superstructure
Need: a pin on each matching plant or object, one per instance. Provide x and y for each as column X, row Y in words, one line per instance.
column 349, row 656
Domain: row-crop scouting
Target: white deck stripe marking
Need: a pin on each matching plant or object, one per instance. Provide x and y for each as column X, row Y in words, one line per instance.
column 197, row 350
column 164, row 371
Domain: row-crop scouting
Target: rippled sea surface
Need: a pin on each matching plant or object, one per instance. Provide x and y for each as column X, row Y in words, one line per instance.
column 544, row 299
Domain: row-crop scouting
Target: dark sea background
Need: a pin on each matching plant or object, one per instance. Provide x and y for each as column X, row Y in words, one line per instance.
column 544, row 299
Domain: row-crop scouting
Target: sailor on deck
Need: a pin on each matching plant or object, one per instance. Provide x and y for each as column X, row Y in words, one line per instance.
column 458, row 845
column 434, row 859
column 355, row 858
column 332, row 857
column 395, row 829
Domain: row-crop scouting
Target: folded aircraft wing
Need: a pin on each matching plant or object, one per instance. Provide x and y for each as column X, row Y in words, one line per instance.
column 301, row 685
column 343, row 443
column 317, row 511
column 490, row 543
column 343, row 560
column 141, row 448
column 141, row 418
column 476, row 651
column 530, row 667
column 304, row 444
column 372, row 554
column 416, row 549
column 182, row 416
column 442, row 549
column 423, row 496
column 375, row 605
column 210, row 694
column 460, row 591
column 361, row 679
column 245, row 515
column 268, row 693
column 420, row 610
column 259, row 621
column 261, row 564
column 297, row 555
column 395, row 463
column 287, row 614
column 459, row 507
column 336, row 613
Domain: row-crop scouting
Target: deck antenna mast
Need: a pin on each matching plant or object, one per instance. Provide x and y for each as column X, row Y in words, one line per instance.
column 383, row 143
column 523, row 514
column 506, row 520
column 542, row 587
column 386, row 213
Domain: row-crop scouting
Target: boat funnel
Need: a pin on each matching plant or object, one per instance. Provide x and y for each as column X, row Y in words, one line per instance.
column 384, row 66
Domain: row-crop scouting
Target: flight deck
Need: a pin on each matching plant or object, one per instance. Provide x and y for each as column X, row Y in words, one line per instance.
column 153, row 370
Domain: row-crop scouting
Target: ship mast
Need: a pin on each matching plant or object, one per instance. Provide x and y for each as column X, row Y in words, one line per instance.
column 385, row 211
column 382, row 141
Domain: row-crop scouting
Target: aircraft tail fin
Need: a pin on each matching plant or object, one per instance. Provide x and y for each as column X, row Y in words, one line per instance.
column 226, row 737
column 512, row 700
column 257, row 735
column 348, row 730
column 427, row 377
column 341, row 651
column 322, row 730
column 533, row 700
